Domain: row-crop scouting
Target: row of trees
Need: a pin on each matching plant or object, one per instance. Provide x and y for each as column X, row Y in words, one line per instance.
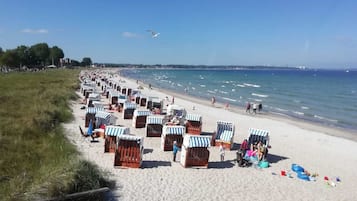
column 38, row 55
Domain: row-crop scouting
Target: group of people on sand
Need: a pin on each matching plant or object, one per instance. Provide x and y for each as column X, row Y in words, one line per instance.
column 253, row 107
column 246, row 154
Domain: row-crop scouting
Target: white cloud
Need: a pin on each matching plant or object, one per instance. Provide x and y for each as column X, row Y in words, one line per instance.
column 127, row 34
column 35, row 31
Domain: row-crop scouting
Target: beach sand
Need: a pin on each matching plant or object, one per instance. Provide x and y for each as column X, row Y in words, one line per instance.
column 315, row 148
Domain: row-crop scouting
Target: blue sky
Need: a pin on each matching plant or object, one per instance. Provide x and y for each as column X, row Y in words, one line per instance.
column 315, row 33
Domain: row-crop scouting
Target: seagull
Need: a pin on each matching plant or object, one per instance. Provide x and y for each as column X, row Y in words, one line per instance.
column 153, row 33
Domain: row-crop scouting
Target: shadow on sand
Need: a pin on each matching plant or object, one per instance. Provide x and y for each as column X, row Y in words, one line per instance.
column 155, row 164
column 221, row 164
column 272, row 158
column 147, row 151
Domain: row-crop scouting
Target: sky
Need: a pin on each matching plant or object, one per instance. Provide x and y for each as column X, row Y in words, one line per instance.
column 318, row 34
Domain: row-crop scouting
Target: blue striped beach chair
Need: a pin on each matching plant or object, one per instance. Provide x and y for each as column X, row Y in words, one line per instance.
column 171, row 134
column 224, row 134
column 154, row 125
column 111, row 133
column 139, row 118
column 194, row 151
column 256, row 135
column 193, row 124
column 128, row 110
column 90, row 114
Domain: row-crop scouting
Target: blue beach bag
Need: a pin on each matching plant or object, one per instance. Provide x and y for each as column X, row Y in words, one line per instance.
column 297, row 168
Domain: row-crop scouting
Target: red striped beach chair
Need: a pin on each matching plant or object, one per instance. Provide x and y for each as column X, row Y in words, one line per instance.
column 129, row 151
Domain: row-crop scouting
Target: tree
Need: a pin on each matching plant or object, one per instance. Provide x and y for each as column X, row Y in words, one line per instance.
column 56, row 54
column 39, row 53
column 75, row 63
column 86, row 61
column 10, row 58
column 22, row 55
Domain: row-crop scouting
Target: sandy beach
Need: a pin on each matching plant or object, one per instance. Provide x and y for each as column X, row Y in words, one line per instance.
column 326, row 151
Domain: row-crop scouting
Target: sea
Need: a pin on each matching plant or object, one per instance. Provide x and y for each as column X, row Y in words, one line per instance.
column 326, row 97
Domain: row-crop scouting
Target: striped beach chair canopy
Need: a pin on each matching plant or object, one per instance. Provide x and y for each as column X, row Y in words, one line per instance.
column 154, row 119
column 93, row 110
column 89, row 85
column 129, row 105
column 225, row 131
column 122, row 98
column 103, row 115
column 256, row 135
column 138, row 139
column 94, row 96
column 226, row 136
column 194, row 117
column 190, row 141
column 98, row 104
column 135, row 93
column 141, row 112
column 113, row 93
column 116, row 130
column 173, row 130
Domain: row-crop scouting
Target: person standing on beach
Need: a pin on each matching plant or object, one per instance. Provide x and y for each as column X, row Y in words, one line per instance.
column 173, row 100
column 248, row 107
column 221, row 151
column 260, row 107
column 175, row 149
column 254, row 108
column 213, row 101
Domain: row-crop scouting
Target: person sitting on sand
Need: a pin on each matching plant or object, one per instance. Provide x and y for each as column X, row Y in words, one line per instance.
column 260, row 151
column 244, row 146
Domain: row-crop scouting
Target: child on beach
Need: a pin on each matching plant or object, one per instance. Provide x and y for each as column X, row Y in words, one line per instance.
column 221, row 151
column 175, row 149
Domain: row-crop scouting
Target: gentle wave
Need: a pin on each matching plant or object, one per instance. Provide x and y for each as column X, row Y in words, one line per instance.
column 229, row 99
column 280, row 109
column 212, row 92
column 251, row 85
column 240, row 85
column 260, row 95
column 202, row 85
column 304, row 108
column 223, row 92
column 298, row 113
column 326, row 119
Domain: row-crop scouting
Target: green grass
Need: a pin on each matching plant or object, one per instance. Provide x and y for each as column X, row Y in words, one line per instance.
column 36, row 160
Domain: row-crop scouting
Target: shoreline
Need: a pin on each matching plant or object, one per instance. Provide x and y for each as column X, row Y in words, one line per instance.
column 301, row 123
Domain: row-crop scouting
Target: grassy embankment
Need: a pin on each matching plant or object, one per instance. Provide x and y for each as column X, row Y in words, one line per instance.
column 36, row 160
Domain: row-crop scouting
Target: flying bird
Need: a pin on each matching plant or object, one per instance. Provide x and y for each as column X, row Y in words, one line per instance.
column 153, row 33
